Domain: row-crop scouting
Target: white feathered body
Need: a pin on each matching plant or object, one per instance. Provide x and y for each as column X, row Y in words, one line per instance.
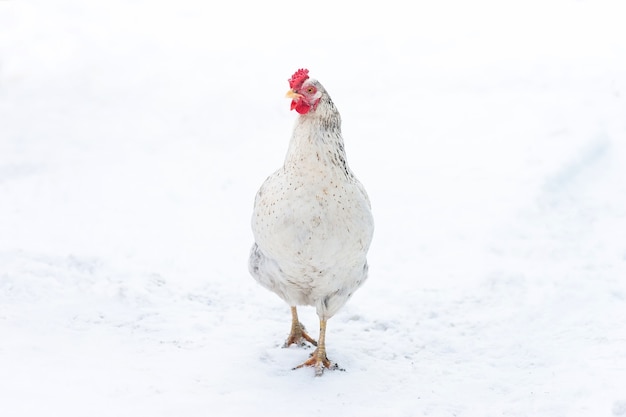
column 312, row 221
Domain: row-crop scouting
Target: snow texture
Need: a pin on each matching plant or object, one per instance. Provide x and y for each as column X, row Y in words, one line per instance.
column 491, row 137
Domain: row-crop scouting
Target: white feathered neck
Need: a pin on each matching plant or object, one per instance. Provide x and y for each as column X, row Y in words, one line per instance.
column 317, row 139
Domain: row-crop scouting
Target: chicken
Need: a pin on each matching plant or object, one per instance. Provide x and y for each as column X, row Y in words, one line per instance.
column 312, row 220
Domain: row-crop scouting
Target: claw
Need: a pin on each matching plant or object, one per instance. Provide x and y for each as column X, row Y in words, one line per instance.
column 299, row 337
column 320, row 362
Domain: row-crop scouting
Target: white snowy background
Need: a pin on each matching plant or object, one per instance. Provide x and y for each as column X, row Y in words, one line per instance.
column 491, row 137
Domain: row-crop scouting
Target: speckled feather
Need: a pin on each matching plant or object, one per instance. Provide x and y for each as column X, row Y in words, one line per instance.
column 312, row 220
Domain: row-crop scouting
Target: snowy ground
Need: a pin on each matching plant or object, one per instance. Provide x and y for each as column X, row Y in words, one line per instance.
column 491, row 139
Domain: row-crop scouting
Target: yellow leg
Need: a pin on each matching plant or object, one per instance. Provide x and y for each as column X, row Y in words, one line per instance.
column 298, row 335
column 318, row 358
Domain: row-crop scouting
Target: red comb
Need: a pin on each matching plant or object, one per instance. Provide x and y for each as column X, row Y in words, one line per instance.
column 298, row 78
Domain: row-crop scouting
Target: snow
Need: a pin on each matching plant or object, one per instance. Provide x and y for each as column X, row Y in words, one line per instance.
column 491, row 137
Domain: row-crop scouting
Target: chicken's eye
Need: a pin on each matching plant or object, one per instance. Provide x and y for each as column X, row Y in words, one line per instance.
column 310, row 90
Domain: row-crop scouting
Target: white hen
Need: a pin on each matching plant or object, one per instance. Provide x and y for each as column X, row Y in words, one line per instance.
column 312, row 221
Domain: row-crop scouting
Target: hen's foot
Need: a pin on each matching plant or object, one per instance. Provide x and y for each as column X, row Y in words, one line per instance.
column 320, row 362
column 298, row 336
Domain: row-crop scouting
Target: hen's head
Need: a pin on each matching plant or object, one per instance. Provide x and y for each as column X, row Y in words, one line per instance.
column 304, row 93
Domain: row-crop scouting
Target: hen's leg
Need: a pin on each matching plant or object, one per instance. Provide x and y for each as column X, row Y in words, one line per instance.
column 298, row 336
column 318, row 358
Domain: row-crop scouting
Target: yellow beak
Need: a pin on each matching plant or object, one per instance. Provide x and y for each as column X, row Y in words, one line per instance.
column 293, row 95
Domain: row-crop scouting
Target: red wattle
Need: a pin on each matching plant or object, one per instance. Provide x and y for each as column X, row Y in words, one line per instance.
column 301, row 106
